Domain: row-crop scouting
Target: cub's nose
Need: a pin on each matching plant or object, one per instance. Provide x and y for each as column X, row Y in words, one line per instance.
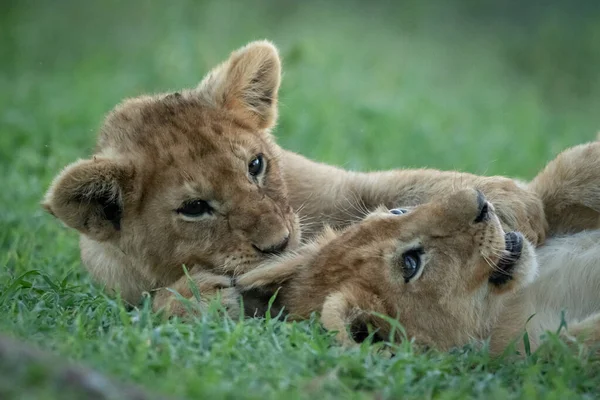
column 275, row 249
column 483, row 208
column 467, row 205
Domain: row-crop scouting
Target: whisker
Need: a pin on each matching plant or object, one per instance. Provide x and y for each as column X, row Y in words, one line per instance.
column 304, row 203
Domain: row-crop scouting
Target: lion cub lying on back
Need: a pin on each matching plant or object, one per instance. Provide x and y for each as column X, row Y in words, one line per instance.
column 448, row 272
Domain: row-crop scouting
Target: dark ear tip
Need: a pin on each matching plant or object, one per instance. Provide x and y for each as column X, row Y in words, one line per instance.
column 359, row 331
column 86, row 196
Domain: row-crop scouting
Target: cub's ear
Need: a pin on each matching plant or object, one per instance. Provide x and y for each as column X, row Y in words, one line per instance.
column 88, row 196
column 336, row 315
column 342, row 312
column 247, row 83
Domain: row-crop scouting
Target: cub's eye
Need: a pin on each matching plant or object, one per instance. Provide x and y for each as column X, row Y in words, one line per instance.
column 194, row 208
column 411, row 263
column 398, row 211
column 256, row 165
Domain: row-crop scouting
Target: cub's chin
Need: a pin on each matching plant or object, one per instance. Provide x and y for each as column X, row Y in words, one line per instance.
column 526, row 268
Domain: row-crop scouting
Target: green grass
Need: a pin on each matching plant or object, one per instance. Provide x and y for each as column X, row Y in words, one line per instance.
column 474, row 86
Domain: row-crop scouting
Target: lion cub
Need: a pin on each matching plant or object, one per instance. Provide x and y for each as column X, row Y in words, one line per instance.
column 448, row 271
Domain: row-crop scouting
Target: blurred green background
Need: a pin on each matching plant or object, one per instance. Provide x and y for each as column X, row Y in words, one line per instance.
column 490, row 87
column 471, row 85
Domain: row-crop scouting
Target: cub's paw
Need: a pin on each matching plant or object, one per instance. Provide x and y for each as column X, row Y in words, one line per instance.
column 181, row 298
column 518, row 208
column 586, row 332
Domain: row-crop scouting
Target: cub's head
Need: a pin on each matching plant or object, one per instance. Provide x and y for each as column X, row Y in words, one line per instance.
column 442, row 270
column 190, row 177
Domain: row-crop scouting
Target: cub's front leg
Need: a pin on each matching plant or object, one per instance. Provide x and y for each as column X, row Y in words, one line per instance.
column 326, row 195
column 208, row 285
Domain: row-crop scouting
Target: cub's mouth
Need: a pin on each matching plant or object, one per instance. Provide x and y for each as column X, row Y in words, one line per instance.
column 514, row 247
column 513, row 242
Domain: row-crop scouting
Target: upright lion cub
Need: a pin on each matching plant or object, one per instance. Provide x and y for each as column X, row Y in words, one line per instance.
column 195, row 178
column 449, row 272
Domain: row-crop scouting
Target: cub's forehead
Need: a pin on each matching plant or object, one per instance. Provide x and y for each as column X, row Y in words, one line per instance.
column 174, row 125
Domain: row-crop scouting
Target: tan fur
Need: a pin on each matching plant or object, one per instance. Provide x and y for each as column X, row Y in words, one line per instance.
column 349, row 275
column 156, row 152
